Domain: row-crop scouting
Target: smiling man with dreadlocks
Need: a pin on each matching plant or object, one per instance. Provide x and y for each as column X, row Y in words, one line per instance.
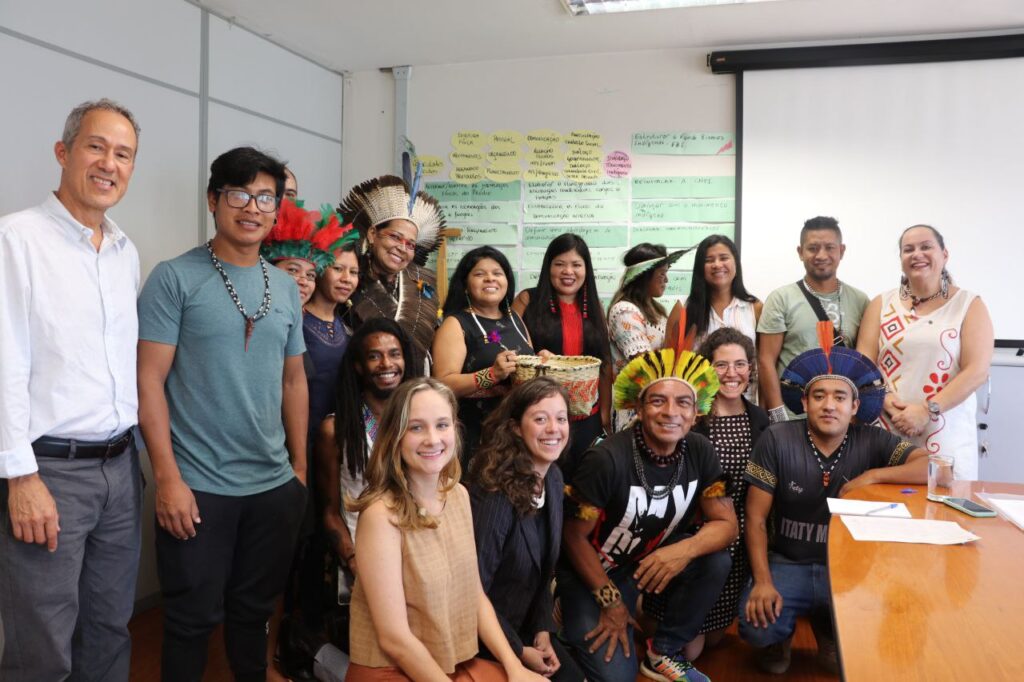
column 794, row 468
column 631, row 498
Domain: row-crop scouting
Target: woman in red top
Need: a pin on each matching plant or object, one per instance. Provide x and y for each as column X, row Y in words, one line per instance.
column 563, row 314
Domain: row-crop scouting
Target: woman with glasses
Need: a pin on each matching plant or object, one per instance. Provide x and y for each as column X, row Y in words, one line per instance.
column 636, row 320
column 476, row 348
column 399, row 231
column 733, row 425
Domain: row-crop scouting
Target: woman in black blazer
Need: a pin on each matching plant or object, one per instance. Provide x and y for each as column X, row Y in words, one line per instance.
column 516, row 494
column 733, row 425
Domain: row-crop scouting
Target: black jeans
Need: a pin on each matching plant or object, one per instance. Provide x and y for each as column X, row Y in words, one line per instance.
column 231, row 572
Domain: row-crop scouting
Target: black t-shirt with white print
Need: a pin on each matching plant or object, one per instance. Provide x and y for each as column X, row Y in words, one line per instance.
column 630, row 524
column 784, row 465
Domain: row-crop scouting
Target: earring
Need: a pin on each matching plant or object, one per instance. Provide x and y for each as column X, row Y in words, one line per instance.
column 944, row 283
column 551, row 303
column 904, row 287
column 584, row 302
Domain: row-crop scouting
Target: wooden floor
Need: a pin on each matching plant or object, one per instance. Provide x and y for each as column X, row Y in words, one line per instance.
column 730, row 661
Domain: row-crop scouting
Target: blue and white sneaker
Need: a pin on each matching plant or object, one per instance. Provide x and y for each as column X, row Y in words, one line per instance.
column 675, row 668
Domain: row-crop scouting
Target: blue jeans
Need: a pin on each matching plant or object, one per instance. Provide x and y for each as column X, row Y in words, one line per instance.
column 689, row 597
column 805, row 591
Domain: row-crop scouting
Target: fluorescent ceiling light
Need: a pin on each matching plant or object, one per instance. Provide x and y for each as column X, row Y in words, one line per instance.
column 578, row 7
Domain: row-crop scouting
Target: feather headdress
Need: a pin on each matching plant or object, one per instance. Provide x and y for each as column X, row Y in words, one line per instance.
column 290, row 236
column 636, row 269
column 647, row 369
column 834, row 362
column 330, row 236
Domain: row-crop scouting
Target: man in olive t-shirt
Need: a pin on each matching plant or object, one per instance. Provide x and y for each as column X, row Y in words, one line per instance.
column 788, row 322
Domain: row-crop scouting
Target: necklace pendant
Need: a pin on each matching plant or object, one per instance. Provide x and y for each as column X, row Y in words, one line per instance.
column 825, row 477
column 250, row 324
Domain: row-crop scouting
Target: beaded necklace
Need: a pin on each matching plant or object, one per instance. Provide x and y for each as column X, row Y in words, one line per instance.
column 488, row 339
column 819, row 456
column 261, row 312
column 679, row 456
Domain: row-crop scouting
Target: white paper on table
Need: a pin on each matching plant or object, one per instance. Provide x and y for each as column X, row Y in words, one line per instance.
column 918, row 531
column 1010, row 507
column 862, row 507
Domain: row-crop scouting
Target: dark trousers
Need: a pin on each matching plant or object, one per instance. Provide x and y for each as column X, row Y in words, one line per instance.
column 232, row 571
column 689, row 596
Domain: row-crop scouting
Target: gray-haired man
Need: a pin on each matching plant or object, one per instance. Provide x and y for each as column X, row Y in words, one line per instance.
column 70, row 488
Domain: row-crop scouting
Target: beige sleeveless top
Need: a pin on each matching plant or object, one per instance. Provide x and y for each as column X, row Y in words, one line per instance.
column 440, row 577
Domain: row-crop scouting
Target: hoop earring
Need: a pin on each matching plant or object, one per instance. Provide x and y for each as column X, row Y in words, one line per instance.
column 904, row 287
column 944, row 283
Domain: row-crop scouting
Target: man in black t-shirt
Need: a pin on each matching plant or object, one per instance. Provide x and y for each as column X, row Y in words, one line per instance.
column 631, row 497
column 794, row 468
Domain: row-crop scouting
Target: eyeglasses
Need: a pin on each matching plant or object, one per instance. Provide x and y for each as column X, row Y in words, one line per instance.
column 395, row 239
column 237, row 198
column 722, row 367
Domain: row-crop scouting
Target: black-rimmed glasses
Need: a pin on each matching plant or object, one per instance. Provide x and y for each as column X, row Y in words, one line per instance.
column 238, row 198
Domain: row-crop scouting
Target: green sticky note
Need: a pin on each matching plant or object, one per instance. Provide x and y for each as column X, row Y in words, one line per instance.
column 600, row 258
column 684, row 210
column 607, row 280
column 477, row 191
column 458, row 214
column 684, row 187
column 680, row 236
column 496, row 233
column 593, row 235
column 533, row 257
column 603, row 210
column 679, row 282
column 684, row 144
column 566, row 190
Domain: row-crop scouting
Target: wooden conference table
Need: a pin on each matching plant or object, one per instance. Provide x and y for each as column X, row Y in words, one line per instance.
column 928, row 612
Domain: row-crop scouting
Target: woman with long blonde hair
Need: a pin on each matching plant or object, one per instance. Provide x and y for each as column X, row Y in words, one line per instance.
column 418, row 608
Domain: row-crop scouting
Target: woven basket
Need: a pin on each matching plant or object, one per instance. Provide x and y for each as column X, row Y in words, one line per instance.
column 579, row 374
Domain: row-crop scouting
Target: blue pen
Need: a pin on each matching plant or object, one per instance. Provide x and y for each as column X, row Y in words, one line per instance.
column 892, row 505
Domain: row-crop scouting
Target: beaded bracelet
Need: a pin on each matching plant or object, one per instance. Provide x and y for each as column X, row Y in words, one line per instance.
column 607, row 595
column 485, row 379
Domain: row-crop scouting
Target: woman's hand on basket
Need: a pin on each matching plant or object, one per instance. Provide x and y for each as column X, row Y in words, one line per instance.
column 505, row 364
column 545, row 355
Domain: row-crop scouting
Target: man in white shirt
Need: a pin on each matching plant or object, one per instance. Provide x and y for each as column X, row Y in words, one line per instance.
column 70, row 487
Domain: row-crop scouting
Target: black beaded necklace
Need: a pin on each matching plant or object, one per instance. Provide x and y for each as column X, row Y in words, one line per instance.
column 819, row 457
column 678, row 456
column 261, row 312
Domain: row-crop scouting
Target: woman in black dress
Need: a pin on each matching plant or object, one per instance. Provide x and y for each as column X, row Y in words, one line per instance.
column 476, row 347
column 733, row 424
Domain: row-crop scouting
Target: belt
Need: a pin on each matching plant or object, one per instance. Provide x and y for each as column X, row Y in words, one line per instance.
column 83, row 449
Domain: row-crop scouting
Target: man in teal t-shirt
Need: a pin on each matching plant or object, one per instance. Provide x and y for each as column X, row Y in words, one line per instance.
column 788, row 322
column 223, row 409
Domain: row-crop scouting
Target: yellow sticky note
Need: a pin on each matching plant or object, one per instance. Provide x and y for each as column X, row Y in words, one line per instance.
column 432, row 165
column 507, row 156
column 533, row 174
column 504, row 173
column 467, row 175
column 462, row 158
column 503, row 139
column 543, row 137
column 547, row 152
column 582, row 139
column 468, row 139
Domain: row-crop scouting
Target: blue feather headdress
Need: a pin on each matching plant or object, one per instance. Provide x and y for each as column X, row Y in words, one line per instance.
column 844, row 364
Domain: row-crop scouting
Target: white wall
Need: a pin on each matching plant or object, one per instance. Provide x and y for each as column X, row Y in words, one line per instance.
column 149, row 57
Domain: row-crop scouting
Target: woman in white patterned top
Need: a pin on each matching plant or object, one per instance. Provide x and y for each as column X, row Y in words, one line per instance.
column 636, row 320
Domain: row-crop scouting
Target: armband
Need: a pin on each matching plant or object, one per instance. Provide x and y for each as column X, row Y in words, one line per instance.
column 607, row 595
column 485, row 378
column 777, row 414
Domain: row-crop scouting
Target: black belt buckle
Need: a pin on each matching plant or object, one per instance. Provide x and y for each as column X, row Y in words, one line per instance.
column 118, row 446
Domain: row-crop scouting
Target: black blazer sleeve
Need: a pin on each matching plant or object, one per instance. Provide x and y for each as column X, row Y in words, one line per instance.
column 494, row 520
column 542, row 617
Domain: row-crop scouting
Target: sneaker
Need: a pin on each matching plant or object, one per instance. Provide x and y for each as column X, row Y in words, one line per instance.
column 775, row 659
column 670, row 668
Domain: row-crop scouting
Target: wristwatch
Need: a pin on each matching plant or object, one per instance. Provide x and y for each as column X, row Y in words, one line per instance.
column 933, row 407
